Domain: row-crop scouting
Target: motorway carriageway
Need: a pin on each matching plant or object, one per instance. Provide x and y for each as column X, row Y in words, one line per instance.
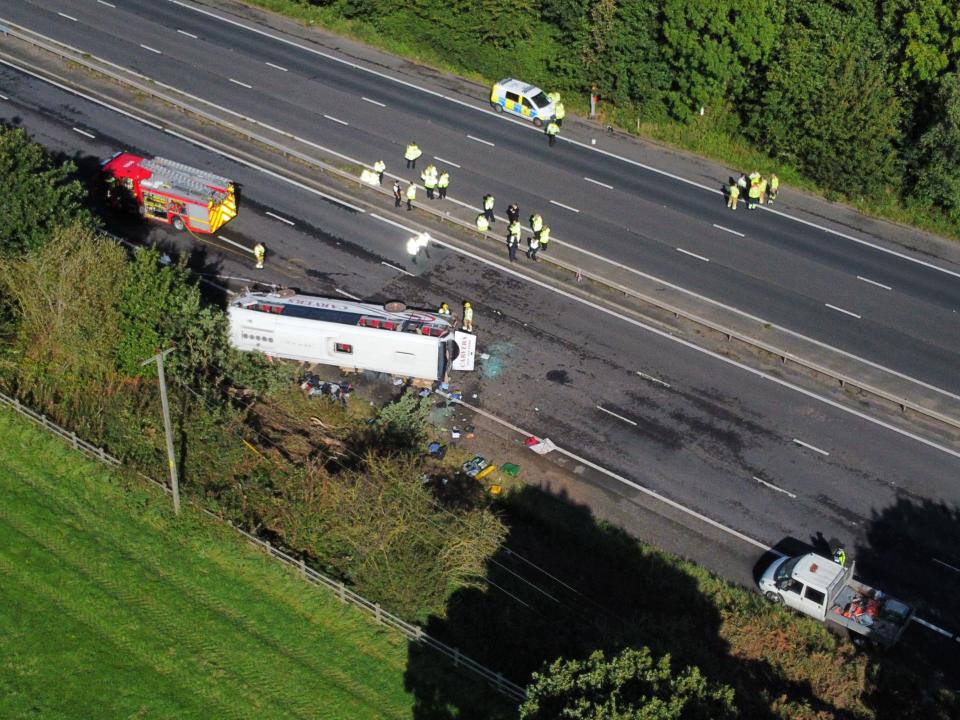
column 704, row 433
column 895, row 311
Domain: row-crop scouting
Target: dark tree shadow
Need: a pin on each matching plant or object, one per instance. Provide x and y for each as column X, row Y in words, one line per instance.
column 579, row 586
column 912, row 551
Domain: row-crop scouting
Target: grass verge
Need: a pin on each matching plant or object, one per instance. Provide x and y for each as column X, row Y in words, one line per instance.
column 113, row 608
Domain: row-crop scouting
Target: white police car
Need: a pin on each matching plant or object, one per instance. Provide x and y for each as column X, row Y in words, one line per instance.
column 520, row 98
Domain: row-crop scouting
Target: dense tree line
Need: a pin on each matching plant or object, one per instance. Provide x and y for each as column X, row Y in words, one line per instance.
column 859, row 95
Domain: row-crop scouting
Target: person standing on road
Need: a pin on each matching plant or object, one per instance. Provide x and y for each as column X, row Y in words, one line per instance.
column 753, row 195
column 733, row 194
column 411, row 195
column 444, row 310
column 411, row 155
column 413, row 249
column 544, row 238
column 380, row 167
column 443, row 182
column 397, row 194
column 533, row 246
column 560, row 112
column 488, row 208
column 513, row 239
column 840, row 557
column 552, row 131
column 513, row 213
column 482, row 223
column 774, row 187
column 468, row 317
column 536, row 224
column 259, row 252
column 429, row 178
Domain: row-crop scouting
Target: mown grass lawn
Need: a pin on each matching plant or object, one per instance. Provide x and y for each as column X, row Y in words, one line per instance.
column 110, row 608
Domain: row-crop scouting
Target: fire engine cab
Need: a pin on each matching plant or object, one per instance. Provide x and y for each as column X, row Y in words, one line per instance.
column 169, row 192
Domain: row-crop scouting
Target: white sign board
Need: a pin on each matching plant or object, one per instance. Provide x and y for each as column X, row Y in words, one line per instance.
column 467, row 342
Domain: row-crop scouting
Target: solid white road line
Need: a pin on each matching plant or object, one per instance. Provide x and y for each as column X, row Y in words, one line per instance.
column 841, row 310
column 565, row 207
column 68, row 17
column 235, row 244
column 277, row 67
column 394, row 267
column 336, row 120
column 774, row 487
column 698, row 257
column 373, row 102
column 481, row 140
column 597, row 182
column 189, row 35
column 281, row 219
column 241, row 84
column 4, row 97
column 652, row 379
column 84, row 133
column 810, row 447
column 725, row 229
column 874, row 282
column 619, row 417
column 448, row 162
column 153, row 50
column 521, row 123
column 346, row 294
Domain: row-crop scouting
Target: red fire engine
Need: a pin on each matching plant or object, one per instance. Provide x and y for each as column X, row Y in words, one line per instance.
column 170, row 192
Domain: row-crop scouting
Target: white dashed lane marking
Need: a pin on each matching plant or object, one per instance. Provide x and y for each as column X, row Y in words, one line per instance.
column 447, row 162
column 336, row 120
column 841, row 310
column 774, row 487
column 84, row 133
column 68, row 17
column 241, row 84
column 801, row 443
column 694, row 255
column 153, row 50
column 597, row 182
column 373, row 102
column 189, row 35
column 619, row 417
column 725, row 229
column 565, row 207
column 281, row 219
column 277, row 67
column 481, row 140
column 874, row 282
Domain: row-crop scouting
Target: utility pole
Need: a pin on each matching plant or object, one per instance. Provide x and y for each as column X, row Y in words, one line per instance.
column 171, row 460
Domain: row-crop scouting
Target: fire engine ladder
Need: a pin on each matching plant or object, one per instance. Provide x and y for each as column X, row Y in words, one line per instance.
column 223, row 208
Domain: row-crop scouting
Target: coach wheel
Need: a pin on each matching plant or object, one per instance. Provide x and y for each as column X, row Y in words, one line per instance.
column 538, row 122
column 497, row 106
column 178, row 222
column 774, row 597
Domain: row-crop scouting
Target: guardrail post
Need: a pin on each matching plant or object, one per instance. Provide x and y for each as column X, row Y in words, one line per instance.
column 43, row 420
column 377, row 613
column 418, row 633
column 499, row 682
column 73, row 439
column 342, row 592
column 456, row 657
column 103, row 454
column 16, row 405
column 303, row 567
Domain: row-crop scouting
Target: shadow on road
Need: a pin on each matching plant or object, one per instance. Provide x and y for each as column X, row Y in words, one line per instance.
column 570, row 585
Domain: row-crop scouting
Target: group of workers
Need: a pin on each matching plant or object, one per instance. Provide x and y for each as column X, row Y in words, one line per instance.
column 467, row 324
column 537, row 242
column 556, row 122
column 761, row 190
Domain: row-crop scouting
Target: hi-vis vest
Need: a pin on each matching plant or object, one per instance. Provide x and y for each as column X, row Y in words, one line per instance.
column 412, row 192
column 482, row 224
column 413, row 152
column 488, row 202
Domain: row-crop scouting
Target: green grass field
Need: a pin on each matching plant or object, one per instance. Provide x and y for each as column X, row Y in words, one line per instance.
column 110, row 608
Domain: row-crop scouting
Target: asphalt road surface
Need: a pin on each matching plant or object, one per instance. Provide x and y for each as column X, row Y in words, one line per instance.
column 697, row 430
column 883, row 307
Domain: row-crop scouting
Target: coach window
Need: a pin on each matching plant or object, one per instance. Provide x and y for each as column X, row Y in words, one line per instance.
column 343, row 348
